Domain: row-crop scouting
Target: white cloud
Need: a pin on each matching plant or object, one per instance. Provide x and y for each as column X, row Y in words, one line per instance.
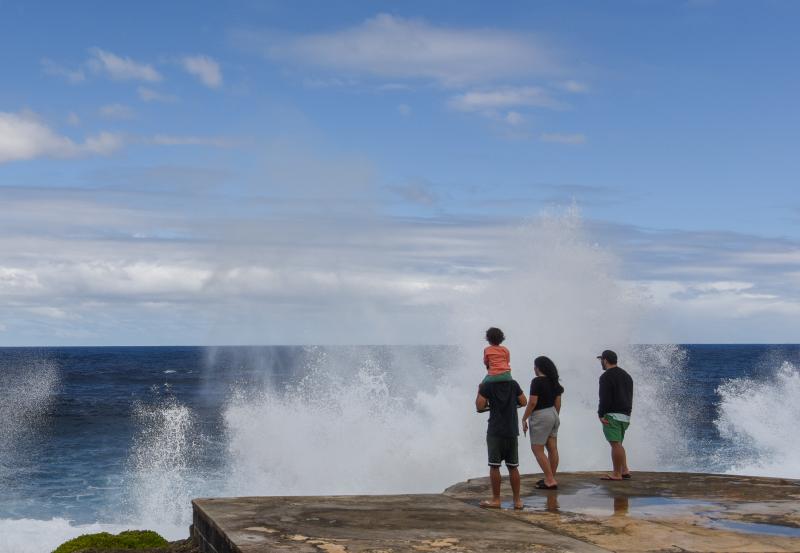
column 204, row 68
column 121, row 69
column 175, row 140
column 150, row 95
column 72, row 75
column 502, row 98
column 25, row 136
column 400, row 48
column 514, row 118
column 561, row 138
column 117, row 111
column 575, row 87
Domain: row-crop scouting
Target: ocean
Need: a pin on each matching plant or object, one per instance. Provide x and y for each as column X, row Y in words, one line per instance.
column 109, row 438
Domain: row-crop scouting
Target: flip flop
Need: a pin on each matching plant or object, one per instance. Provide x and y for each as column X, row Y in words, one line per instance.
column 626, row 476
column 519, row 506
column 539, row 482
column 608, row 478
column 488, row 505
column 543, row 486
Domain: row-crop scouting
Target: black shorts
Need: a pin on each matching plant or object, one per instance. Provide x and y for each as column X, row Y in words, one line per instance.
column 502, row 449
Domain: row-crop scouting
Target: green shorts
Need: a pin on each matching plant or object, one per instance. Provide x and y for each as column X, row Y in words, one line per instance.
column 615, row 430
column 502, row 377
column 502, row 449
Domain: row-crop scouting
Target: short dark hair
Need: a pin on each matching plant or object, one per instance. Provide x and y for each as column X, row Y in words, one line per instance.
column 495, row 336
column 609, row 356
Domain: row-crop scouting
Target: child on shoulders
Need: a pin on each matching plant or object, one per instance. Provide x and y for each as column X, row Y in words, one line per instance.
column 497, row 358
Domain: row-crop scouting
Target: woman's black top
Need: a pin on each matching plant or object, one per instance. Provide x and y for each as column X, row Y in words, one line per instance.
column 546, row 392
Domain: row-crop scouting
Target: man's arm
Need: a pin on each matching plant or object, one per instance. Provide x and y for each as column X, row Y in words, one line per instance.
column 522, row 401
column 605, row 398
column 480, row 402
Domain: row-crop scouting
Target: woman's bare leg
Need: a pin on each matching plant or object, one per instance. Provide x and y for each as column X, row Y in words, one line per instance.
column 544, row 463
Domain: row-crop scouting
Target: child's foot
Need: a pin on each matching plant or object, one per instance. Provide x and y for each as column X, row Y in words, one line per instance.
column 490, row 504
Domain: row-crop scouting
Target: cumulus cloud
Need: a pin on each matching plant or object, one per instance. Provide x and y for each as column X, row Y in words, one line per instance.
column 121, row 68
column 24, row 136
column 402, row 48
column 204, row 68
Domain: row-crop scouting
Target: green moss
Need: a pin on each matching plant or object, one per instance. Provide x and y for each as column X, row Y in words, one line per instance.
column 132, row 539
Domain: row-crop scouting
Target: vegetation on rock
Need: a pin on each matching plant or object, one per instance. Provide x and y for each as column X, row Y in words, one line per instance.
column 129, row 540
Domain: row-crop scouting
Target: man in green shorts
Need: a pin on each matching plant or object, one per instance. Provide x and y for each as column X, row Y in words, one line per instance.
column 614, row 410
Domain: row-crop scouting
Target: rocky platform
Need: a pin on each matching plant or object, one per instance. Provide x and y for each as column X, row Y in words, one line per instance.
column 653, row 512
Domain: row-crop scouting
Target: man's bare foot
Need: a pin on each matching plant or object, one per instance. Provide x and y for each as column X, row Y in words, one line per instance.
column 490, row 504
column 518, row 505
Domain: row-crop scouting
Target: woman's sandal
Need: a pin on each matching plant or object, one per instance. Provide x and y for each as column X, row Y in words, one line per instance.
column 542, row 486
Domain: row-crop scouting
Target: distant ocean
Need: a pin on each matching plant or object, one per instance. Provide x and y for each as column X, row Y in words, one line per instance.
column 115, row 437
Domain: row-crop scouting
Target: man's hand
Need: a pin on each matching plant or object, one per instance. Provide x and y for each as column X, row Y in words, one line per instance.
column 604, row 420
column 524, row 427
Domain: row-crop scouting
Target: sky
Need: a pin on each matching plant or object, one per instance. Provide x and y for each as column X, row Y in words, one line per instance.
column 319, row 172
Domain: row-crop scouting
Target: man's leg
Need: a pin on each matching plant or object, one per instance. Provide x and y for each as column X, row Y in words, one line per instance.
column 493, row 446
column 614, row 432
column 494, row 477
column 513, row 476
column 618, row 459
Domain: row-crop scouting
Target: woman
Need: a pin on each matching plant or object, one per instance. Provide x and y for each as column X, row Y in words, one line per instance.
column 542, row 414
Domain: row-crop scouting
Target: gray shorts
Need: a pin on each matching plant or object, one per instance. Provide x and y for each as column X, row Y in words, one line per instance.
column 542, row 424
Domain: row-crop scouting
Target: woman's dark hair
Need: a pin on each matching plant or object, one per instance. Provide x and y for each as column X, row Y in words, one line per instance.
column 495, row 336
column 546, row 366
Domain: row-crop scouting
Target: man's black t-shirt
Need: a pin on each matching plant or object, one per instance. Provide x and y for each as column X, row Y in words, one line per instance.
column 546, row 391
column 502, row 396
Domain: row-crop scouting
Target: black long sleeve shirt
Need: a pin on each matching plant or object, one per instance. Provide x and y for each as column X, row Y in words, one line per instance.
column 616, row 392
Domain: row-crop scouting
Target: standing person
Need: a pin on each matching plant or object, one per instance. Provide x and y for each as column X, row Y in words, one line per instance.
column 614, row 410
column 542, row 414
column 503, row 399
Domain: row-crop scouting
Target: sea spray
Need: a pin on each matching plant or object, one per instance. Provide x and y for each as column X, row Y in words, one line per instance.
column 161, row 467
column 26, row 393
column 345, row 428
column 758, row 416
column 353, row 426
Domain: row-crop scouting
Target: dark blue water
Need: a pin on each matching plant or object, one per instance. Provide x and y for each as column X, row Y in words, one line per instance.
column 70, row 458
column 65, row 452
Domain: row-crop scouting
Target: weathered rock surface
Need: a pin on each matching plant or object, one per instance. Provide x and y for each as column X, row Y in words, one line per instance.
column 653, row 512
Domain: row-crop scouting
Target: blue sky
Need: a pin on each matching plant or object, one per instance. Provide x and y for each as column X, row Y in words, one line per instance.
column 247, row 172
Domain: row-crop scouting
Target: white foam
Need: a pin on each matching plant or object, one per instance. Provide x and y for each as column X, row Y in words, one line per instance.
column 760, row 418
column 344, row 429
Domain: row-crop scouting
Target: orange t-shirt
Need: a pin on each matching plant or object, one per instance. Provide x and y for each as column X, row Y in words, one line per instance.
column 497, row 359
